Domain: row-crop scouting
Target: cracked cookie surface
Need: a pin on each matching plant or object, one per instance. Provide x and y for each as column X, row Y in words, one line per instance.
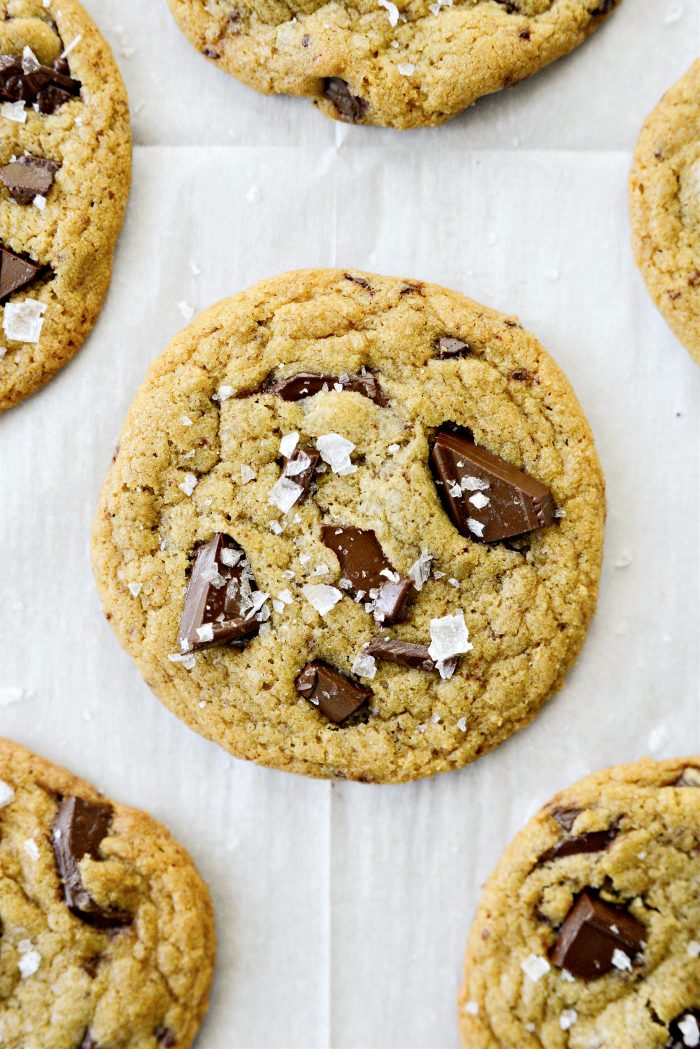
column 625, row 838
column 201, row 455
column 409, row 64
column 70, row 230
column 665, row 207
column 113, row 948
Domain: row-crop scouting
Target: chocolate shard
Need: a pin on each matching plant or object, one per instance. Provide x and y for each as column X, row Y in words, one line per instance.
column 28, row 177
column 300, row 467
column 350, row 108
column 487, row 498
column 590, row 841
column 78, row 830
column 449, row 346
column 683, row 1030
column 566, row 817
column 24, row 79
column 364, row 565
column 333, row 693
column 221, row 606
column 304, row 384
column 592, row 933
column 165, row 1037
column 15, row 273
column 405, row 653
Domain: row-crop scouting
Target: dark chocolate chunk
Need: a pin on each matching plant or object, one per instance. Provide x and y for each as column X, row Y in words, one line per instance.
column 487, row 498
column 333, row 693
column 361, row 281
column 364, row 565
column 405, row 653
column 677, row 1039
column 165, row 1037
column 590, row 841
column 15, row 273
column 591, row 933
column 220, row 604
column 78, row 830
column 88, row 1042
column 566, row 817
column 29, row 176
column 350, row 107
column 24, row 79
column 296, row 387
column 300, row 467
column 449, row 346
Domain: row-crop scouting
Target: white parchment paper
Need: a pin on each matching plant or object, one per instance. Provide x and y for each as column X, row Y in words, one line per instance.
column 342, row 909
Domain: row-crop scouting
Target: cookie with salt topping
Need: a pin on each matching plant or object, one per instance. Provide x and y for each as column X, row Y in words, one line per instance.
column 353, row 527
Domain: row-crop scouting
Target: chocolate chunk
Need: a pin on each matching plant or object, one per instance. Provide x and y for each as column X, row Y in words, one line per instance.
column 15, row 273
column 677, row 1039
column 591, row 841
column 350, row 107
column 333, row 693
column 23, row 80
column 405, row 653
column 361, row 281
column 449, row 346
column 88, row 1042
column 296, row 387
column 29, row 176
column 487, row 498
column 364, row 565
column 165, row 1037
column 566, row 817
column 301, row 467
column 220, row 604
column 690, row 777
column 591, row 933
column 78, row 831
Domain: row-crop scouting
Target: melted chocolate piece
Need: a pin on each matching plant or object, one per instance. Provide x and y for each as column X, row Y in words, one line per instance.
column 361, row 281
column 296, row 387
column 333, row 693
column 78, row 830
column 676, row 1039
column 405, row 653
column 29, row 176
column 590, row 934
column 449, row 346
column 219, row 609
column 350, row 107
column 487, row 498
column 590, row 841
column 290, row 468
column 47, row 87
column 15, row 273
column 362, row 562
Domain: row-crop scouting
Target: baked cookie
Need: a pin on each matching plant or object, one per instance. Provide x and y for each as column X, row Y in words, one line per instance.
column 107, row 929
column 65, row 164
column 665, row 207
column 353, row 527
column 588, row 932
column 401, row 65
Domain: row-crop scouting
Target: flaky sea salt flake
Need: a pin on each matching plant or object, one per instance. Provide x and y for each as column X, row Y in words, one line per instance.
column 7, row 794
column 31, row 848
column 288, row 444
column 364, row 665
column 392, row 11
column 449, row 637
column 335, row 450
column 284, row 494
column 189, row 484
column 29, row 958
column 23, row 321
column 322, row 596
column 406, row 68
column 621, row 960
column 475, row 527
column 535, row 967
column 14, row 111
column 420, row 570
column 135, row 589
column 71, row 47
column 567, row 1019
column 247, row 474
column 39, row 202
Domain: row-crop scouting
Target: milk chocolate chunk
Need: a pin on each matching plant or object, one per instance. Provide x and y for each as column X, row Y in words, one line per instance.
column 29, row 176
column 680, row 1027
column 405, row 653
column 350, row 107
column 15, row 273
column 449, row 346
column 487, row 498
column 590, row 841
column 333, row 693
column 25, row 79
column 300, row 467
column 365, row 566
column 591, row 934
column 305, row 384
column 220, row 605
column 78, row 830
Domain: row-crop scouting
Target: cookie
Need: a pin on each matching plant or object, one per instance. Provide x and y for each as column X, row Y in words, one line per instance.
column 664, row 199
column 107, row 929
column 376, row 62
column 65, row 166
column 353, row 527
column 588, row 932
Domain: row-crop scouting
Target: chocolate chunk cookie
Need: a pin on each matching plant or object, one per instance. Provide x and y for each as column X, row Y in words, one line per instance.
column 378, row 62
column 65, row 163
column 335, row 548
column 588, row 932
column 665, row 207
column 106, row 929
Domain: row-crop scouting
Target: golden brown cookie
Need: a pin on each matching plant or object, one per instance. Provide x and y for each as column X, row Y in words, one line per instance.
column 665, row 207
column 401, row 65
column 353, row 527
column 107, row 934
column 65, row 166
column 588, row 932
